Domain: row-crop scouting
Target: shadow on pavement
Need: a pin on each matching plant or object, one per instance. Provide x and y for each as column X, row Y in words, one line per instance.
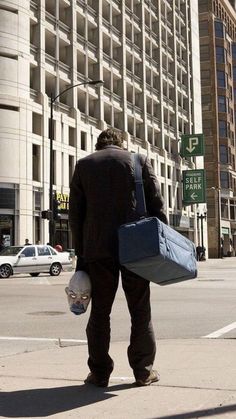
column 202, row 413
column 48, row 401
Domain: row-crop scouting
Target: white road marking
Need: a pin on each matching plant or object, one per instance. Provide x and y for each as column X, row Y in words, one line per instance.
column 222, row 331
column 57, row 340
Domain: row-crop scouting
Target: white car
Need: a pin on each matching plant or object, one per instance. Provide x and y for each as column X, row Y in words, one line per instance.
column 33, row 259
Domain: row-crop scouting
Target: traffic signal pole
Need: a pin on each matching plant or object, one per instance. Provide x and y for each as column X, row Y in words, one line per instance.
column 51, row 136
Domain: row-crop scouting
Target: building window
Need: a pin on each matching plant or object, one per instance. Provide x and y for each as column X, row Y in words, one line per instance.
column 37, row 201
column 228, row 129
column 234, row 51
column 169, row 196
column 232, row 210
column 220, row 54
column 162, row 169
column 234, row 72
column 62, row 132
column 178, row 198
column 221, row 103
column 83, row 139
column 219, row 29
column 7, row 229
column 36, row 123
column 9, row 108
column 37, row 230
column 224, row 180
column 221, row 78
column 7, row 198
column 206, row 102
column 36, row 162
column 223, row 128
column 224, row 209
column 72, row 137
column 169, row 172
column 71, row 167
column 223, row 154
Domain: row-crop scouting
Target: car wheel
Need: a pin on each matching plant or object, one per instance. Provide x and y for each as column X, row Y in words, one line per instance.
column 55, row 269
column 34, row 274
column 5, row 271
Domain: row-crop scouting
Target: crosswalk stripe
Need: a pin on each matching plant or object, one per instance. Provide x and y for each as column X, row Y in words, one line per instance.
column 221, row 332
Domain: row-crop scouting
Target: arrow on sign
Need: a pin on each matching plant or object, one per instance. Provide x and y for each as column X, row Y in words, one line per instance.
column 194, row 196
column 193, row 142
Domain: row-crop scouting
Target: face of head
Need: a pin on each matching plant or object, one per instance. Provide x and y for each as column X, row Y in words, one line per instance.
column 109, row 137
column 78, row 302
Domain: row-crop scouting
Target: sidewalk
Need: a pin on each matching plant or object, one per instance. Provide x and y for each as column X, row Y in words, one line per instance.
column 198, row 379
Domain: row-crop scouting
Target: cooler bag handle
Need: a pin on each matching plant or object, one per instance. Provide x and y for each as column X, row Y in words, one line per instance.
column 139, row 191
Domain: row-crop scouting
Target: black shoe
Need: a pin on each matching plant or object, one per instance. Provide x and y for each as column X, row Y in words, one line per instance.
column 152, row 378
column 96, row 381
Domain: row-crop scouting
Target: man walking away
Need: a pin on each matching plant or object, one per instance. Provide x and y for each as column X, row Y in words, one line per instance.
column 102, row 197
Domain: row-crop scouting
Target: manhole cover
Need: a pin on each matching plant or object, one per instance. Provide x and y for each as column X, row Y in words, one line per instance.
column 47, row 313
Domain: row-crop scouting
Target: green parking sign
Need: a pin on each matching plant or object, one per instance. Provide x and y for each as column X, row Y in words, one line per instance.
column 192, row 145
column 194, row 186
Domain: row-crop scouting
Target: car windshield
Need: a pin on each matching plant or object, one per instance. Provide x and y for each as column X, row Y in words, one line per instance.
column 11, row 250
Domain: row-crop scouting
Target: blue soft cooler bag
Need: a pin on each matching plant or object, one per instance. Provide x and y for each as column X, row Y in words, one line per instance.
column 152, row 249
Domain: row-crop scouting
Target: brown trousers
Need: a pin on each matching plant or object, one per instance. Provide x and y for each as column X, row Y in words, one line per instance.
column 104, row 275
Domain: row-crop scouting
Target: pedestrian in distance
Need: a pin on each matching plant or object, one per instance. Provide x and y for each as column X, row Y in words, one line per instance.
column 27, row 243
column 58, row 247
column 102, row 197
column 199, row 252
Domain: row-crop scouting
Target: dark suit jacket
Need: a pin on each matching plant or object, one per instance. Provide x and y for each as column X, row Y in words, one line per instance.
column 102, row 197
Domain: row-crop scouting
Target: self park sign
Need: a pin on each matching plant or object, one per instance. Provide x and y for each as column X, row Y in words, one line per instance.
column 194, row 186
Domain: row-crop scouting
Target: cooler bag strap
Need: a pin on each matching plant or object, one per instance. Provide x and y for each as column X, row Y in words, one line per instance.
column 139, row 191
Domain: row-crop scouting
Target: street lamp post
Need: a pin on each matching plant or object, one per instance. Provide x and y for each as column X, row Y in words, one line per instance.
column 51, row 136
column 218, row 216
column 202, row 217
column 220, row 247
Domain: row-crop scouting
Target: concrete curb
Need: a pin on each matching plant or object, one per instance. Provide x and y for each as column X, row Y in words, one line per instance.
column 198, row 379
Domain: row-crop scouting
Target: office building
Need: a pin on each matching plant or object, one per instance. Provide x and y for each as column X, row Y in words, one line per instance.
column 218, row 79
column 147, row 54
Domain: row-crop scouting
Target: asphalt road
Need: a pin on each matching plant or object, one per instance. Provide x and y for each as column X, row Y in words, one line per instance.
column 36, row 308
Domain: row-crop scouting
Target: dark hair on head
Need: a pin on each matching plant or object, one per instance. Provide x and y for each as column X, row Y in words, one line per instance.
column 109, row 137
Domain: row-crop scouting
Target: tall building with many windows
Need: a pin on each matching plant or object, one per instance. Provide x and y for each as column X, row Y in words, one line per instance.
column 233, row 3
column 218, row 77
column 147, row 54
